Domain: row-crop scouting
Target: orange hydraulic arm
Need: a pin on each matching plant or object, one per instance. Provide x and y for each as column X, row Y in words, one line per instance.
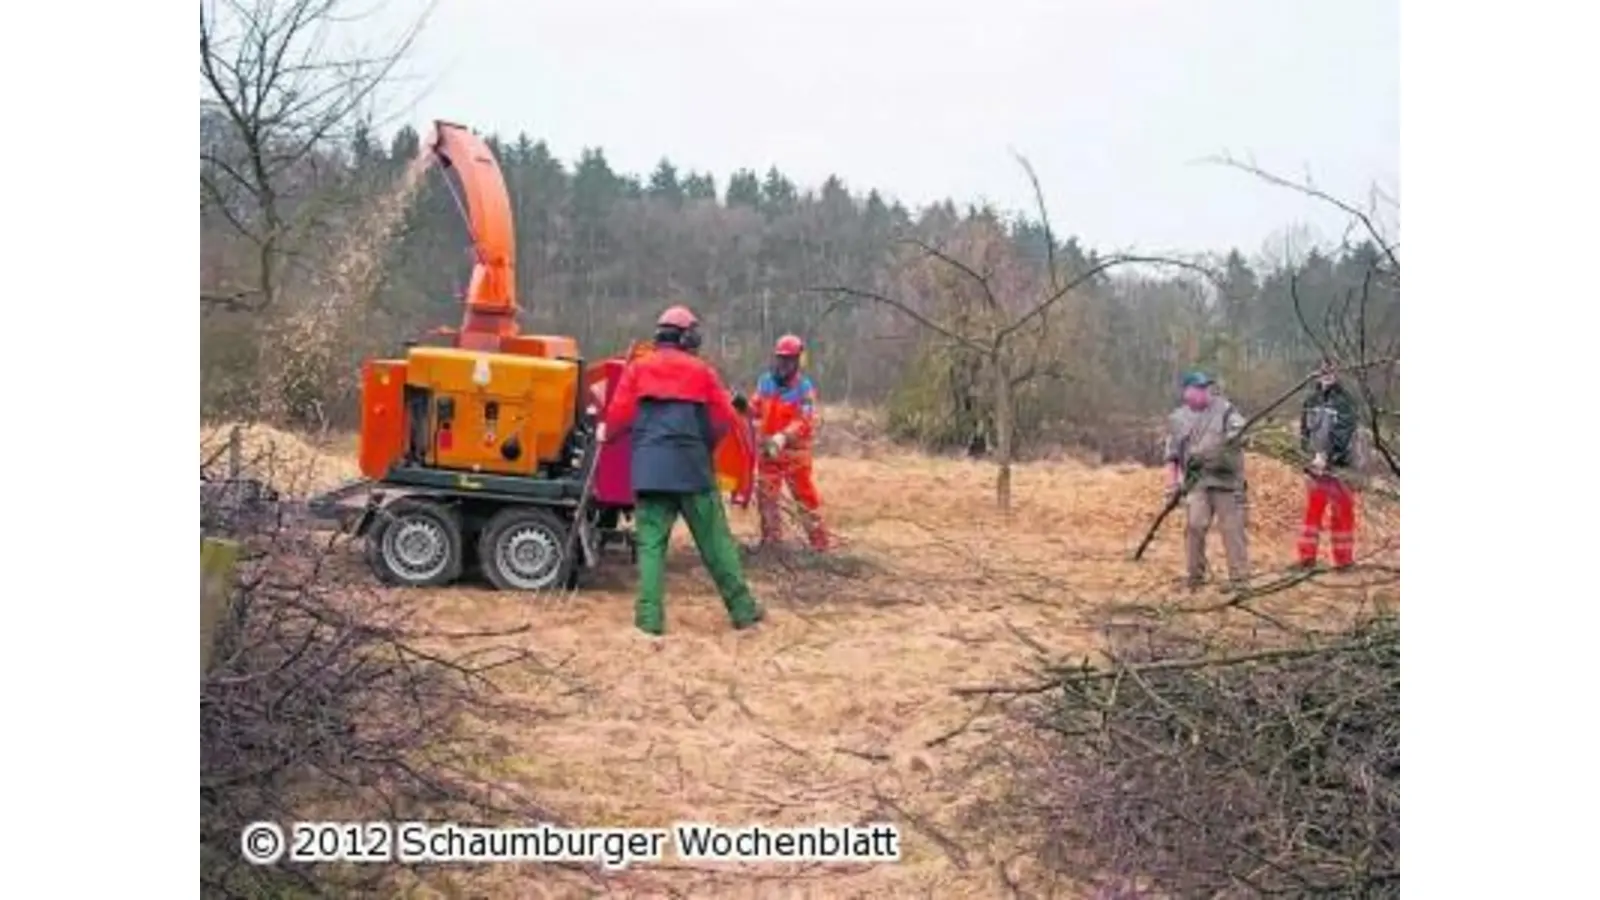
column 492, row 293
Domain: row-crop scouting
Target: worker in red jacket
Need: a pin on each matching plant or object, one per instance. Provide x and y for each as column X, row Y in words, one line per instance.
column 786, row 416
column 677, row 409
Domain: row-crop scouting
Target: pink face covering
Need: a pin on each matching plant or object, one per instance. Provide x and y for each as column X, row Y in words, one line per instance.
column 1196, row 398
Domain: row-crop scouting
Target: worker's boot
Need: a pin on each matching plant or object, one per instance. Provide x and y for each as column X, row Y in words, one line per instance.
column 751, row 620
column 819, row 539
column 1343, row 552
column 765, row 544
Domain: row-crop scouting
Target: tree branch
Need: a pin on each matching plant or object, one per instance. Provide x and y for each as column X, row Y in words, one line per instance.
column 906, row 310
column 1316, row 193
column 1089, row 274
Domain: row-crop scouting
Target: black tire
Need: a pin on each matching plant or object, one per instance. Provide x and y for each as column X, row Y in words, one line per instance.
column 415, row 543
column 525, row 549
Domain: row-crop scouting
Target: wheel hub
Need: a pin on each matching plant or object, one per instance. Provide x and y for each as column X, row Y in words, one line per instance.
column 416, row 547
column 529, row 556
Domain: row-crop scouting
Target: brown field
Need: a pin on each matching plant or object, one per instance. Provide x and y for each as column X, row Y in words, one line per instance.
column 840, row 706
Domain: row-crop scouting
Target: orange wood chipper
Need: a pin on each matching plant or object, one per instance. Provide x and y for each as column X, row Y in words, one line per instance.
column 478, row 442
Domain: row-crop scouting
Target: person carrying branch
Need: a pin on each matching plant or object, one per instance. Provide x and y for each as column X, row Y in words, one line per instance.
column 677, row 409
column 1328, row 432
column 786, row 418
column 1204, row 457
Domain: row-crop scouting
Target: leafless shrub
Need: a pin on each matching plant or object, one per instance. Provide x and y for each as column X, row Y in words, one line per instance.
column 331, row 700
column 1187, row 768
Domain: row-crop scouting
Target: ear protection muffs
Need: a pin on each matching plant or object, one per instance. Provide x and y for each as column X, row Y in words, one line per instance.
column 690, row 340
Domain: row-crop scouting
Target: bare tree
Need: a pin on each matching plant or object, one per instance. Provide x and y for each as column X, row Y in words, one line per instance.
column 1348, row 334
column 279, row 86
column 1005, row 330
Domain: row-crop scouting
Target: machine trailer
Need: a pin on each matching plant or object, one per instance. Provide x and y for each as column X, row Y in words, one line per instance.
column 480, row 441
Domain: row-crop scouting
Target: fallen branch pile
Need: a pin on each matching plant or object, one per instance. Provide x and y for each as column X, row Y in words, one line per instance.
column 329, row 700
column 1185, row 770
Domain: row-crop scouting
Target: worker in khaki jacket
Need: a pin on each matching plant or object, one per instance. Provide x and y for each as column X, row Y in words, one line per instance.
column 1202, row 451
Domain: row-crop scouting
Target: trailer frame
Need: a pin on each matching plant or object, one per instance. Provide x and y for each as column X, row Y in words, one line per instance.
column 450, row 519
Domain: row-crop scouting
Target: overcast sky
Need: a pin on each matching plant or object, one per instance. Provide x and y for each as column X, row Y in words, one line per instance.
column 1113, row 100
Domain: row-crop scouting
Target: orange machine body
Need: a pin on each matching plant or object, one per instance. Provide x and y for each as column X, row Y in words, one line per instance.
column 490, row 412
column 383, row 415
column 495, row 401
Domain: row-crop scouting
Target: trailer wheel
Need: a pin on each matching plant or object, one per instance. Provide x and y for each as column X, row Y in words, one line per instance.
column 415, row 543
column 525, row 549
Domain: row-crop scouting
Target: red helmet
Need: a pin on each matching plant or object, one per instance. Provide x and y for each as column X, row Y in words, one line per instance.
column 789, row 345
column 677, row 317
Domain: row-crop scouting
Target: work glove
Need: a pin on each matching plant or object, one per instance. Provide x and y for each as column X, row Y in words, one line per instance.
column 774, row 445
column 1173, row 487
column 600, row 433
column 1319, row 463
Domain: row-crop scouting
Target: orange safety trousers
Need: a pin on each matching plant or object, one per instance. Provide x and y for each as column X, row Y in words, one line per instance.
column 793, row 468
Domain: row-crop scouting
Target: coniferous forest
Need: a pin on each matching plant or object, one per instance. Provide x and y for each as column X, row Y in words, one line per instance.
column 600, row 252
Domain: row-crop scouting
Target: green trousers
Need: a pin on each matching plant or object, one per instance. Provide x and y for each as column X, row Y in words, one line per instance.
column 654, row 515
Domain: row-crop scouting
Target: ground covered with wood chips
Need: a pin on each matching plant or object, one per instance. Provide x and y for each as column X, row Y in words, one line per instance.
column 839, row 708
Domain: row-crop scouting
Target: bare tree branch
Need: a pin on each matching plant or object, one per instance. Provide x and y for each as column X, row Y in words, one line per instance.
column 905, row 309
column 1090, row 274
column 1371, row 227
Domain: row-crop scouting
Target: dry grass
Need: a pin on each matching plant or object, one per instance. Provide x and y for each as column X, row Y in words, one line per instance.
column 840, row 706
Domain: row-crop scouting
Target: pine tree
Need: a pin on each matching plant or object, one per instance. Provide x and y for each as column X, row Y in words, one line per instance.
column 744, row 189
column 778, row 193
column 405, row 145
column 697, row 186
column 664, row 184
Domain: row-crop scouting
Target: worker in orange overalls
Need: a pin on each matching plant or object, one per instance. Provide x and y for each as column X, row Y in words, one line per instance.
column 785, row 416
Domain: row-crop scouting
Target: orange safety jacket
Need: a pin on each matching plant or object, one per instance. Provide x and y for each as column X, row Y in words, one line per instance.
column 789, row 409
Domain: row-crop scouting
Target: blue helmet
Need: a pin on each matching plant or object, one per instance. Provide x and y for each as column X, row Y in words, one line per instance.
column 1196, row 379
